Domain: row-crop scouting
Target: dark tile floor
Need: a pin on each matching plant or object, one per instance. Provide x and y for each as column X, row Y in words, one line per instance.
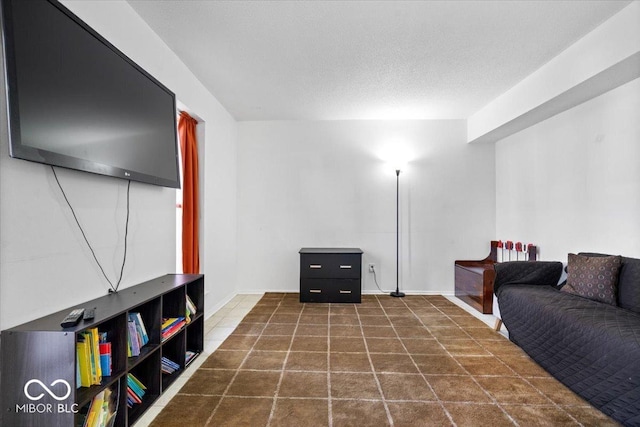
column 418, row 360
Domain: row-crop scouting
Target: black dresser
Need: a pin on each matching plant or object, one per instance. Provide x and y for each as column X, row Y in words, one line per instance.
column 330, row 275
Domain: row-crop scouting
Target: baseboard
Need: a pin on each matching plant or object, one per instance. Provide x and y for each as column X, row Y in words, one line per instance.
column 364, row 292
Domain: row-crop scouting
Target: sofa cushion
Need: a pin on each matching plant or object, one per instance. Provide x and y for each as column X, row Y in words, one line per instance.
column 628, row 282
column 541, row 273
column 595, row 278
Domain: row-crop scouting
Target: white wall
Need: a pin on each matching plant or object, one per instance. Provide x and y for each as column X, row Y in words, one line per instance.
column 572, row 182
column 306, row 184
column 44, row 263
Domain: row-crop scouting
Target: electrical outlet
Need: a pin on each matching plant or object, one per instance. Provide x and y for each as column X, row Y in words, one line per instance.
column 372, row 267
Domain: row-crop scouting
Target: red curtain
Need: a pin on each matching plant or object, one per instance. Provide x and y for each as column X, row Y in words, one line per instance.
column 189, row 151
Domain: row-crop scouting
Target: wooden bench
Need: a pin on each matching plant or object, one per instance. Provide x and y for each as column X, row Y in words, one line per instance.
column 474, row 279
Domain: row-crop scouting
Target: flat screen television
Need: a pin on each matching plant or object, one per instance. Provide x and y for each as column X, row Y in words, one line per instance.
column 75, row 101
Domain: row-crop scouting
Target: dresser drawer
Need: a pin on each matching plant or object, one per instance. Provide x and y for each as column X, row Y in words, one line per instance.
column 316, row 290
column 330, row 266
column 330, row 290
column 346, row 290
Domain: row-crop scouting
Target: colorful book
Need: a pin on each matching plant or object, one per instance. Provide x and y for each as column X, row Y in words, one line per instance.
column 191, row 309
column 105, row 358
column 78, row 376
column 169, row 322
column 173, row 329
column 93, row 416
column 135, row 385
column 134, row 344
column 141, row 330
column 132, row 398
column 84, row 361
column 169, row 366
column 170, row 326
column 189, row 356
column 91, row 339
column 191, row 306
column 95, row 355
column 101, row 411
column 105, row 354
column 106, row 414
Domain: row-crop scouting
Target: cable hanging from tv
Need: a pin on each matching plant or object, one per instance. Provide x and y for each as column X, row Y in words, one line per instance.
column 126, row 233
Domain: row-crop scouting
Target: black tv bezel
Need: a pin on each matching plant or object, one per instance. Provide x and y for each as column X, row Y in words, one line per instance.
column 20, row 151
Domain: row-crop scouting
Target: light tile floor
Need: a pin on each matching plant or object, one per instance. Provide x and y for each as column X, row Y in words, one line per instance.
column 220, row 325
column 216, row 329
column 489, row 319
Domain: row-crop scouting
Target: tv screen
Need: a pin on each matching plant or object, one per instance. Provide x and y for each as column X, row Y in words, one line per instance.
column 76, row 101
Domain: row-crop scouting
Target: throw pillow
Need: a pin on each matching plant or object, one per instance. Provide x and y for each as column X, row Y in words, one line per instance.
column 595, row 278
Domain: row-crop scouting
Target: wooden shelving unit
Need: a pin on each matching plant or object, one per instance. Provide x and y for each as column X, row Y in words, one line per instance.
column 43, row 351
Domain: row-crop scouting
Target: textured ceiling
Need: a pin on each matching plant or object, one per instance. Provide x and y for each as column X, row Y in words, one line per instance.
column 340, row 60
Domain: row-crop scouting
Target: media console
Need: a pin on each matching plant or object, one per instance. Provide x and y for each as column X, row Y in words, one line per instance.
column 40, row 382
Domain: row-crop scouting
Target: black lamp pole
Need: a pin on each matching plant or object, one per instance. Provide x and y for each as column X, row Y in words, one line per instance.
column 397, row 293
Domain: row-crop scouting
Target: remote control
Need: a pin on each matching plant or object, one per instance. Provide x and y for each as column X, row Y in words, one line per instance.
column 89, row 314
column 72, row 318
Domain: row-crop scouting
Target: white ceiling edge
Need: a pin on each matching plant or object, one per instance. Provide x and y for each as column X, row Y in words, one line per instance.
column 600, row 61
column 605, row 81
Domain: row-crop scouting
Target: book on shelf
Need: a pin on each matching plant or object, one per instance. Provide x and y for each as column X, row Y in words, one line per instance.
column 190, row 308
column 102, row 410
column 88, row 357
column 96, row 371
column 105, row 358
column 170, row 326
column 135, row 390
column 78, row 376
column 105, row 354
column 133, row 347
column 132, row 398
column 169, row 366
column 137, row 337
column 141, row 330
column 84, row 365
column 189, row 356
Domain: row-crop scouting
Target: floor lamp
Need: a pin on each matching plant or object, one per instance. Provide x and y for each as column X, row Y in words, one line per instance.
column 397, row 292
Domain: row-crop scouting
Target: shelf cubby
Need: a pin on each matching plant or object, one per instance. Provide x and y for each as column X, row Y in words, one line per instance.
column 147, row 373
column 195, row 335
column 173, row 304
column 83, row 408
column 151, row 316
column 174, row 350
column 112, row 327
column 195, row 290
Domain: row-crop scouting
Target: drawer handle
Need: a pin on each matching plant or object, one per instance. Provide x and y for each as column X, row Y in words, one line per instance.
column 345, row 292
column 315, row 266
column 315, row 291
column 345, row 267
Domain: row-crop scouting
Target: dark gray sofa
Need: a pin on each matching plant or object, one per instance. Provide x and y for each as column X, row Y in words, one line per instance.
column 591, row 347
